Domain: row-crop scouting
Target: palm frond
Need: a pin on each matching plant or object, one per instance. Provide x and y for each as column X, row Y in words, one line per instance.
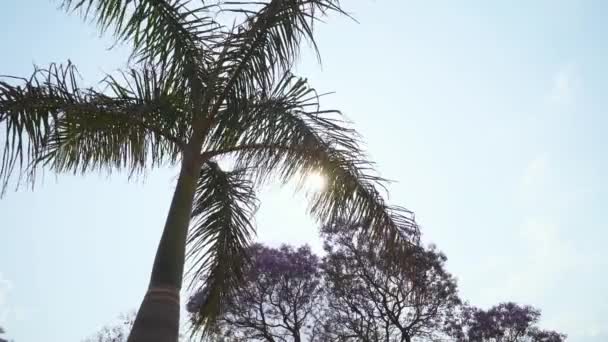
column 221, row 231
column 167, row 32
column 161, row 102
column 285, row 133
column 267, row 42
column 255, row 120
column 48, row 119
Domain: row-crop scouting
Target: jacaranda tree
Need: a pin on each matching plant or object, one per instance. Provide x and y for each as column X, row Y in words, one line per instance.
column 505, row 322
column 116, row 332
column 198, row 91
column 372, row 297
column 281, row 298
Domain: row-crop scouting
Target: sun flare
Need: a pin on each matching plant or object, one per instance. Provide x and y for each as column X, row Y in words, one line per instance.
column 316, row 181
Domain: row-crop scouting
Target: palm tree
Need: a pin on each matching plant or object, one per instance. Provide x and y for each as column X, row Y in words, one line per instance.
column 198, row 91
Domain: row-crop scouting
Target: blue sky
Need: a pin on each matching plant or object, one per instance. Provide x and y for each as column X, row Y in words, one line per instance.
column 490, row 116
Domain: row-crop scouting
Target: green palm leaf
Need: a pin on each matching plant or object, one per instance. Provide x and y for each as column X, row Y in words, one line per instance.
column 266, row 43
column 50, row 120
column 166, row 32
column 221, row 231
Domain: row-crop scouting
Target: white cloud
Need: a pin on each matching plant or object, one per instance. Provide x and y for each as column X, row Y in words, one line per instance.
column 539, row 257
column 546, row 254
column 565, row 83
column 543, row 244
column 540, row 184
column 535, row 172
column 545, row 259
column 548, row 247
column 580, row 327
column 20, row 314
column 594, row 332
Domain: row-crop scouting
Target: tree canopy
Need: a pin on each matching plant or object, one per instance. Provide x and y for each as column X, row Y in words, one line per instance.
column 281, row 299
column 371, row 296
column 354, row 293
column 505, row 322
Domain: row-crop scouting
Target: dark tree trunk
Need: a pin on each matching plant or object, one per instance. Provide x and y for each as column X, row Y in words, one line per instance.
column 157, row 319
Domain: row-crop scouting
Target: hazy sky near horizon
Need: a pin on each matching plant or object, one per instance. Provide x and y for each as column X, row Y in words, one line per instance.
column 490, row 117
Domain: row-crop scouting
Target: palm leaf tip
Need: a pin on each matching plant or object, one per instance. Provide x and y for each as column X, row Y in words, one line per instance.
column 29, row 107
column 267, row 42
column 167, row 32
column 221, row 231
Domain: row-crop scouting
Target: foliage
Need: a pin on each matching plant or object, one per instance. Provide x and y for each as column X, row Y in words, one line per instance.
column 117, row 332
column 505, row 322
column 354, row 294
column 279, row 300
column 374, row 297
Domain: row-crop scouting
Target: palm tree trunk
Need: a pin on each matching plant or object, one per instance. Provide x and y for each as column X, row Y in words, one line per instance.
column 158, row 317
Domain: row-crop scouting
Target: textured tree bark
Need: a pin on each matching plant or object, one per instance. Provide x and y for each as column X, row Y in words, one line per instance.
column 157, row 319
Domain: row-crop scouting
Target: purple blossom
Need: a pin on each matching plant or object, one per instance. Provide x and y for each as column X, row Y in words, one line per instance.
column 277, row 300
column 508, row 322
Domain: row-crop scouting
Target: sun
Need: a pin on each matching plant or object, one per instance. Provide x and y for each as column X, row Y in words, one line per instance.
column 316, row 181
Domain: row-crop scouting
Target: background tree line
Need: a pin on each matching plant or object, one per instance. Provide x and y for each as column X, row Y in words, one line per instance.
column 355, row 292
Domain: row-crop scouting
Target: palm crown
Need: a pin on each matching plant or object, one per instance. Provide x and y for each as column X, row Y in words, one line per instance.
column 199, row 91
